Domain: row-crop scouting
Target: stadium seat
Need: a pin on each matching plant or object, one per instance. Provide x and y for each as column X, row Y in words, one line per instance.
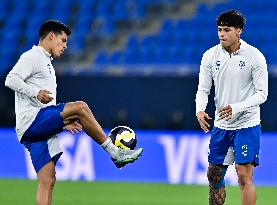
column 177, row 41
column 116, row 58
column 101, row 58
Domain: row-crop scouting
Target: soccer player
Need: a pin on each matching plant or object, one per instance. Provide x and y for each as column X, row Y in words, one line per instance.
column 39, row 119
column 239, row 73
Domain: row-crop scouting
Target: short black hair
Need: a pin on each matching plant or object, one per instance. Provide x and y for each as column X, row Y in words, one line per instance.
column 231, row 18
column 54, row 26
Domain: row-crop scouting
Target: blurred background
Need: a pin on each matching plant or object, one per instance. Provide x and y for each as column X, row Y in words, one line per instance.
column 136, row 63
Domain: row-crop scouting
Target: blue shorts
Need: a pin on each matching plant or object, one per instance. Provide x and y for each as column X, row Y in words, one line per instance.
column 241, row 146
column 40, row 138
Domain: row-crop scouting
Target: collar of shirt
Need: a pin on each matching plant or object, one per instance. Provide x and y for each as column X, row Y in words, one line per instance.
column 42, row 50
column 242, row 48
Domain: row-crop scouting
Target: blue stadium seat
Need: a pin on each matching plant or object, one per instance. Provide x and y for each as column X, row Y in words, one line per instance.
column 131, row 56
column 149, row 42
column 182, row 26
column 101, row 58
column 87, row 3
column 120, row 11
column 7, row 53
column 137, row 10
column 116, row 58
column 104, row 29
column 133, row 42
column 84, row 21
column 146, row 56
column 105, row 9
column 167, row 26
column 76, row 43
column 166, row 39
column 10, row 38
column 4, row 10
column 62, row 16
column 63, row 4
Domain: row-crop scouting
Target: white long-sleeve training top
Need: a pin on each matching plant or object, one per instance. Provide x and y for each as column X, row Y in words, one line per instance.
column 33, row 72
column 240, row 80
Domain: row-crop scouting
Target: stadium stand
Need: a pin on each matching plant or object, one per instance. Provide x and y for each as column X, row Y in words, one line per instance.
column 110, row 35
column 183, row 41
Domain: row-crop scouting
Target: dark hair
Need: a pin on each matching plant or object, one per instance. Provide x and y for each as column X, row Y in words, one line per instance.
column 231, row 18
column 54, row 26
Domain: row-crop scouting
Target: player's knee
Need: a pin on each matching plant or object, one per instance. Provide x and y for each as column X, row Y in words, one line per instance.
column 244, row 179
column 47, row 180
column 213, row 173
column 81, row 107
column 216, row 176
column 244, row 176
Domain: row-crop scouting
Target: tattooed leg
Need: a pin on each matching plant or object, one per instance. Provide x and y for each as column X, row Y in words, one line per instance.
column 217, row 192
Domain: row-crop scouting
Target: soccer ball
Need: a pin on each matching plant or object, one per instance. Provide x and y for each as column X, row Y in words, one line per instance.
column 123, row 137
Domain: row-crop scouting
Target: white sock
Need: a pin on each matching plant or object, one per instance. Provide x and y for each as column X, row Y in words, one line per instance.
column 110, row 148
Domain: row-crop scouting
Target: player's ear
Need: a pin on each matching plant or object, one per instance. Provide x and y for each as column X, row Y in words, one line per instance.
column 239, row 31
column 51, row 35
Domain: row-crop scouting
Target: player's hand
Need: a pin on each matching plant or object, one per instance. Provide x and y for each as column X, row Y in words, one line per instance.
column 202, row 118
column 225, row 113
column 74, row 127
column 44, row 96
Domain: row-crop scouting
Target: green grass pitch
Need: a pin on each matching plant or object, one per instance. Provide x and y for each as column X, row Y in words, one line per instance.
column 21, row 192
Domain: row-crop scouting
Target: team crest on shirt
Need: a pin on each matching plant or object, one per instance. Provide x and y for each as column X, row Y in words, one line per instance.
column 242, row 64
column 217, row 65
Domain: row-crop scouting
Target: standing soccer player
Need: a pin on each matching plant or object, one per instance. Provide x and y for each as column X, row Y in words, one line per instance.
column 39, row 119
column 239, row 73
